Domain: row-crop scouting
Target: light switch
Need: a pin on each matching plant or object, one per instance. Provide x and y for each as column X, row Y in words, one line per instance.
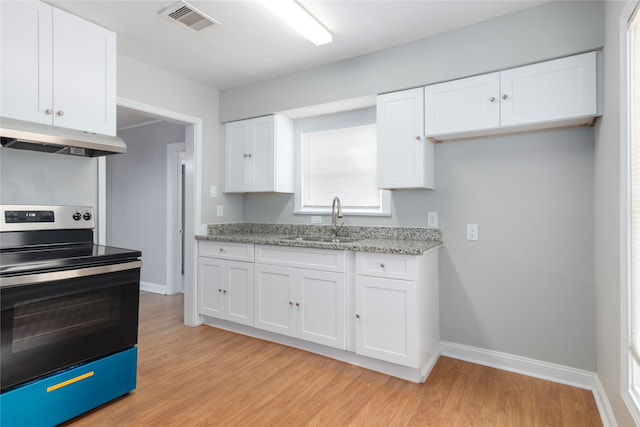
column 213, row 191
column 220, row 211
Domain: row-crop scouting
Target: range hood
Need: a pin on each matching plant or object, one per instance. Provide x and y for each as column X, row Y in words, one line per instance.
column 50, row 139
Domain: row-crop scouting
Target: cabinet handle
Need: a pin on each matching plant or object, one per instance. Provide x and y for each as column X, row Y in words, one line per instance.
column 291, row 303
column 382, row 265
column 418, row 138
column 492, row 99
column 298, row 304
column 48, row 111
column 505, row 96
column 60, row 113
column 221, row 250
column 224, row 291
column 249, row 155
column 357, row 316
column 219, row 290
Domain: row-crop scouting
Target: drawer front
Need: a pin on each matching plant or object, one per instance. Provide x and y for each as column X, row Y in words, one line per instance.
column 227, row 250
column 315, row 259
column 60, row 397
column 402, row 267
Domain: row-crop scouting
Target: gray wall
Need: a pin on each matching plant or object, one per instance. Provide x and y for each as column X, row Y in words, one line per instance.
column 607, row 221
column 555, row 29
column 153, row 86
column 526, row 287
column 28, row 177
column 137, row 196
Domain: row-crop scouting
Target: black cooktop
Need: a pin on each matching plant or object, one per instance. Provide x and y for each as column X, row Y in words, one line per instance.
column 34, row 259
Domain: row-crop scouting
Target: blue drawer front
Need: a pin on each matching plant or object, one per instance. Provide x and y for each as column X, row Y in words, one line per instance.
column 60, row 397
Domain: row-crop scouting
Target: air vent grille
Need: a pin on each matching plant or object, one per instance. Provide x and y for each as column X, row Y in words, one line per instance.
column 188, row 16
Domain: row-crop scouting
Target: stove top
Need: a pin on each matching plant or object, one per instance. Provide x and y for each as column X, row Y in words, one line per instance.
column 36, row 239
column 51, row 258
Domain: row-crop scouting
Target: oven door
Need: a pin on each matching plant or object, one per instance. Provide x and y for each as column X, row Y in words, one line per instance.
column 54, row 320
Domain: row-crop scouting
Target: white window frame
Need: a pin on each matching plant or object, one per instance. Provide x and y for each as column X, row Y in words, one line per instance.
column 630, row 374
column 353, row 118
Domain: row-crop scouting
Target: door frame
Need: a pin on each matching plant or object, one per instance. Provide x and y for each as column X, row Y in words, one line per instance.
column 174, row 215
column 193, row 202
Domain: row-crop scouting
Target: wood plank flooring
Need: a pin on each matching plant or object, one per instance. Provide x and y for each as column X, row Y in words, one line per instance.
column 204, row 376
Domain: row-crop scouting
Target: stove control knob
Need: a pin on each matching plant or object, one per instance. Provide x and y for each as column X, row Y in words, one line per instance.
column 87, row 216
column 77, row 216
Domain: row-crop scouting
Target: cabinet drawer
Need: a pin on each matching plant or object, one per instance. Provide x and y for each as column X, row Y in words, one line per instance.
column 316, row 259
column 227, row 250
column 386, row 265
column 60, row 397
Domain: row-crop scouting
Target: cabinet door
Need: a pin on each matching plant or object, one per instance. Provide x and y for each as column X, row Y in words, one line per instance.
column 239, row 298
column 405, row 159
column 235, row 156
column 274, row 305
column 462, row 105
column 386, row 320
column 552, row 90
column 84, row 70
column 261, row 151
column 321, row 308
column 210, row 287
column 26, row 74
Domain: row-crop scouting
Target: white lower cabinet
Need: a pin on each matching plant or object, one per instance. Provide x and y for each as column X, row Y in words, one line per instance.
column 397, row 319
column 305, row 303
column 225, row 287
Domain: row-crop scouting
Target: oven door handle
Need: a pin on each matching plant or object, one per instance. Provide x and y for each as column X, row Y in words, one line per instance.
column 32, row 279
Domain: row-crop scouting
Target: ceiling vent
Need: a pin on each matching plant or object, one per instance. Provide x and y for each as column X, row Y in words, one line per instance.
column 188, row 16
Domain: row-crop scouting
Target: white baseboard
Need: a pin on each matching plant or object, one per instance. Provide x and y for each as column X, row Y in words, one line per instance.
column 153, row 287
column 604, row 407
column 521, row 365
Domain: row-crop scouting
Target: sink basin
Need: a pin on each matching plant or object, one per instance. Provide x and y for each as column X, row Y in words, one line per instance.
column 321, row 239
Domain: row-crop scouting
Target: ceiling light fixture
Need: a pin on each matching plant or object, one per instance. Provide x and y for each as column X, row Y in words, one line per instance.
column 302, row 21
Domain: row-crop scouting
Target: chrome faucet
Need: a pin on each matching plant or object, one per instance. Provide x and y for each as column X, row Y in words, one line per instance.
column 336, row 216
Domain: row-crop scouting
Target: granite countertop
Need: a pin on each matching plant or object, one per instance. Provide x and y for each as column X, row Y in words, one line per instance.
column 390, row 240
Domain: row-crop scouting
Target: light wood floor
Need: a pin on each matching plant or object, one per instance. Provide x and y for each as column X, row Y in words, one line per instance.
column 208, row 377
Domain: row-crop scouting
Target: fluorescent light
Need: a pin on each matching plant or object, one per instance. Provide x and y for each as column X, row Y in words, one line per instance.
column 301, row 20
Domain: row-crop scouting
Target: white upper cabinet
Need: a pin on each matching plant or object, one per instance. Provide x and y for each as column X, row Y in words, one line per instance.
column 462, row 105
column 259, row 155
column 405, row 158
column 555, row 93
column 57, row 69
column 553, row 90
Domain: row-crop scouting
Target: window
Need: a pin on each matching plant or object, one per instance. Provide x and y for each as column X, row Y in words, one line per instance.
column 338, row 157
column 633, row 221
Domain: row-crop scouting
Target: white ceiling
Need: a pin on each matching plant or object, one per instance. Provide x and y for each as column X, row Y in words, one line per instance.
column 252, row 44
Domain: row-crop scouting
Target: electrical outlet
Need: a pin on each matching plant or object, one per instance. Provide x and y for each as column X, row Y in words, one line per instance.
column 220, row 211
column 472, row 231
column 432, row 219
column 316, row 220
column 213, row 191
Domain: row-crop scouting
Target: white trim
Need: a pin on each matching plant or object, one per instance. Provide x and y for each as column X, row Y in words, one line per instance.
column 521, row 365
column 626, row 381
column 101, row 224
column 174, row 205
column 604, row 406
column 153, row 288
column 193, row 202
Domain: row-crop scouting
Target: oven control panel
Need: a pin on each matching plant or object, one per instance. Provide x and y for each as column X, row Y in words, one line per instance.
column 32, row 217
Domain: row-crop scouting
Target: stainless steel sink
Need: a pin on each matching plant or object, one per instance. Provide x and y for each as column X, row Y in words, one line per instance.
column 322, row 239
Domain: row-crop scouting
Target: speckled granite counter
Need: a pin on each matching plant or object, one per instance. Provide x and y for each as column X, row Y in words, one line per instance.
column 391, row 240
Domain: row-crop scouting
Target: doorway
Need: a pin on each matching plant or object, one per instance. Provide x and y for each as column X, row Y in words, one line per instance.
column 192, row 203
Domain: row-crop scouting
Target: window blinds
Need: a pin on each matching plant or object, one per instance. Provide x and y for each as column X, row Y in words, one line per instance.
column 634, row 134
column 335, row 157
